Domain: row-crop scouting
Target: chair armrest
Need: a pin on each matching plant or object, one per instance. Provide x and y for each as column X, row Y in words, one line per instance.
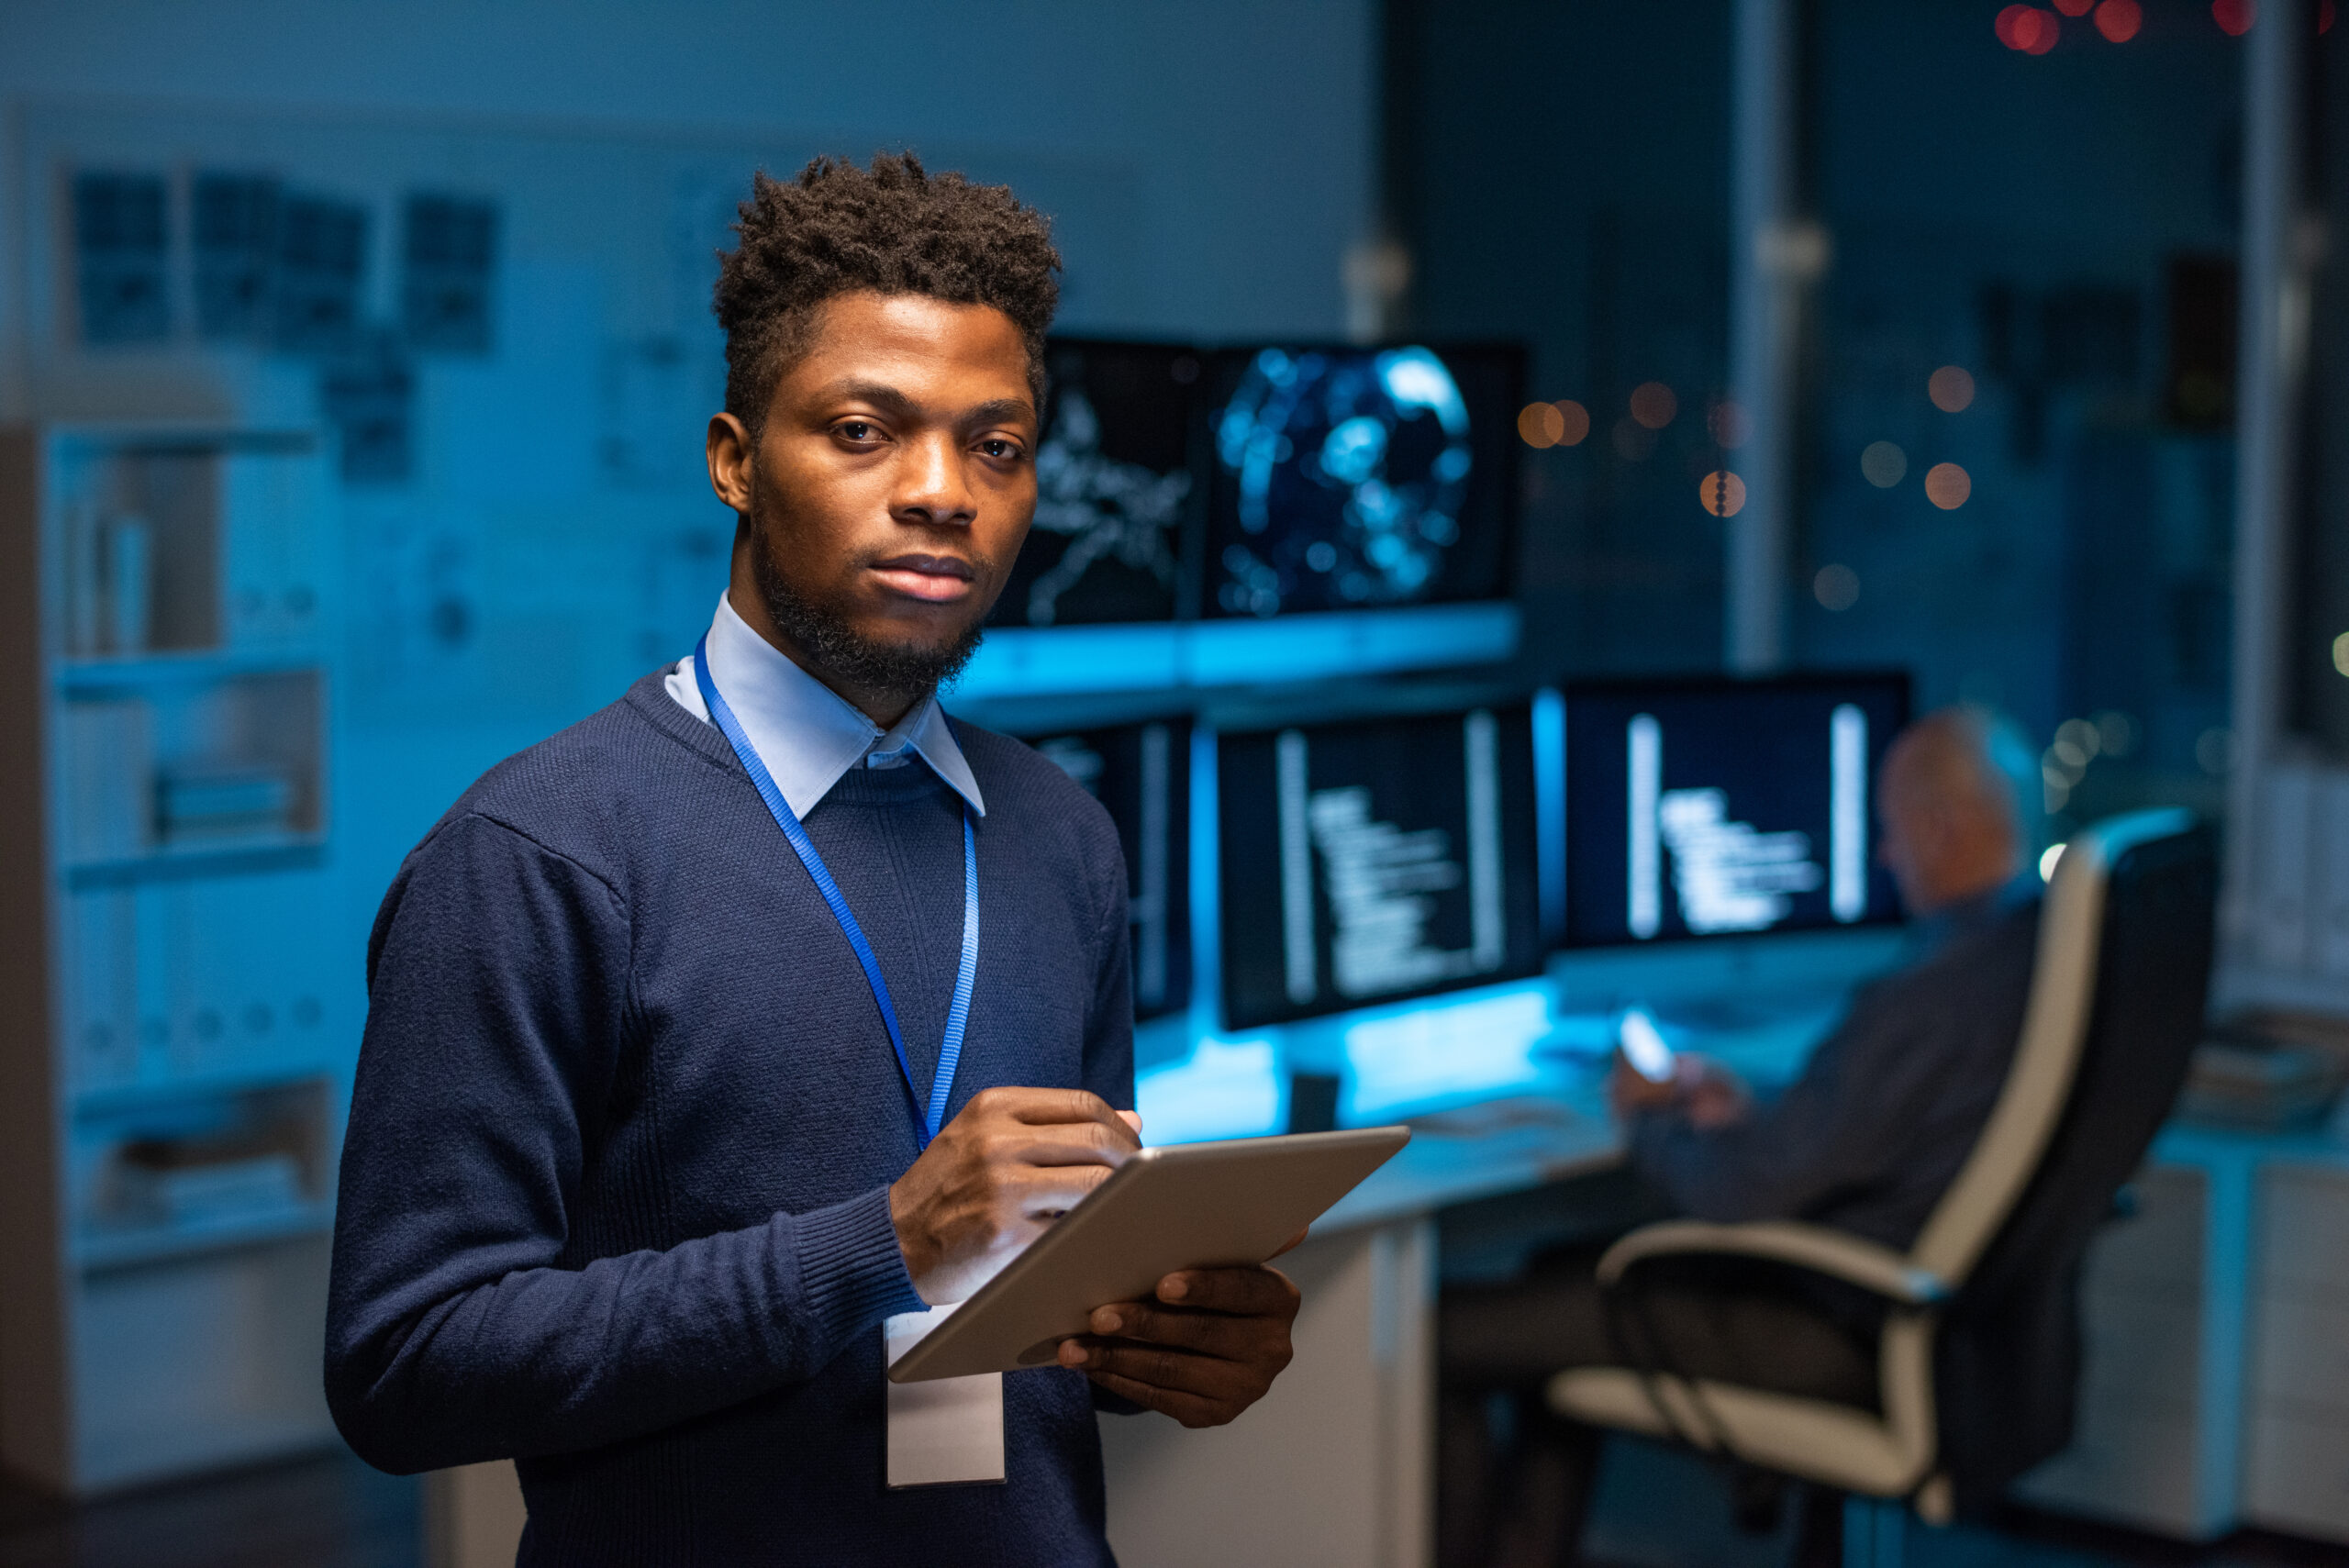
column 1834, row 1254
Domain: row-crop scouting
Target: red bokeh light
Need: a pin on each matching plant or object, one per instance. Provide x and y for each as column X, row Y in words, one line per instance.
column 2326, row 14
column 2027, row 29
column 2235, row 16
column 2120, row 19
column 2074, row 7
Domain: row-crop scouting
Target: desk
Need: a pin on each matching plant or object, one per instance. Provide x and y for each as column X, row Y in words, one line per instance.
column 1336, row 1464
column 1504, row 1093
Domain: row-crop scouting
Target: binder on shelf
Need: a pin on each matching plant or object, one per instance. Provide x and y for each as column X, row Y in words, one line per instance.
column 108, row 747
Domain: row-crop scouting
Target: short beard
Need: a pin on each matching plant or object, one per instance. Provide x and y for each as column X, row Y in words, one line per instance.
column 893, row 669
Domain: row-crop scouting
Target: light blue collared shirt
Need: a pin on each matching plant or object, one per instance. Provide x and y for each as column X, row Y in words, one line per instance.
column 808, row 734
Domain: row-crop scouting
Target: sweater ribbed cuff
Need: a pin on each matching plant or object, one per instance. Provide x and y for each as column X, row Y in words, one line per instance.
column 851, row 1268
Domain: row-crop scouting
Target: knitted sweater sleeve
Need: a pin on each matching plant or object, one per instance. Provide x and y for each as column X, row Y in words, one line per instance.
column 1109, row 1021
column 458, row 1330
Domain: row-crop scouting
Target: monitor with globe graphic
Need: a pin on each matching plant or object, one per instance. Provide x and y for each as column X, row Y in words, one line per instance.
column 1360, row 478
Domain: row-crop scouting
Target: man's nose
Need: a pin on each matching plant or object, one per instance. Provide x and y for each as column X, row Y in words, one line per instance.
column 932, row 487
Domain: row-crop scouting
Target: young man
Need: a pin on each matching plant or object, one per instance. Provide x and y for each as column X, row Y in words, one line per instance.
column 685, row 1067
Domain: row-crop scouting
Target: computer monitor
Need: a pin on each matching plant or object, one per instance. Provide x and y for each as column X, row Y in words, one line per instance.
column 1355, row 478
column 1116, row 490
column 1142, row 773
column 1370, row 862
column 1721, row 807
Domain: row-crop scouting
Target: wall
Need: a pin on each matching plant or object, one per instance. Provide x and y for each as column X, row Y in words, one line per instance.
column 1207, row 165
column 1243, row 131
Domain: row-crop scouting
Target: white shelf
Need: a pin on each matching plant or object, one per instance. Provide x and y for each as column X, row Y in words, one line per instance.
column 132, row 1249
column 226, row 857
column 113, row 671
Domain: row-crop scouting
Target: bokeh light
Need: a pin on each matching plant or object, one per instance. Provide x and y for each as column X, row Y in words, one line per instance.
column 1722, row 493
column 1575, row 422
column 1837, row 587
column 2341, row 653
column 1541, row 425
column 2120, row 19
column 2028, row 28
column 1727, row 425
column 2116, row 733
column 2235, row 16
column 1951, row 388
column 1947, row 485
column 2074, row 7
column 1653, row 404
column 2327, row 13
column 1882, row 464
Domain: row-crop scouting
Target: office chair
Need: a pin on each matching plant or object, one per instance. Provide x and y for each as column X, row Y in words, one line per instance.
column 1978, row 1354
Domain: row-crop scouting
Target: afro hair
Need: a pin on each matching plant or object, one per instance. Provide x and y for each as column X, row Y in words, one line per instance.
column 894, row 229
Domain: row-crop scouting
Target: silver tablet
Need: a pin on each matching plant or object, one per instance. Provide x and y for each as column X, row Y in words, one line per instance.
column 1191, row 1206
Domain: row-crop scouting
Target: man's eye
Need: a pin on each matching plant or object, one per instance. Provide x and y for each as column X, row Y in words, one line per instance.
column 856, row 430
column 1006, row 451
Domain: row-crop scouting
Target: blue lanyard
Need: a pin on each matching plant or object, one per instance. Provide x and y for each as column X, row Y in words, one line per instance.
column 950, row 1049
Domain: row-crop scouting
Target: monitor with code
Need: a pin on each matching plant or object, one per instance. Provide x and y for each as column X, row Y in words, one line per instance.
column 1720, row 807
column 1142, row 773
column 1115, row 486
column 1361, row 478
column 1369, row 861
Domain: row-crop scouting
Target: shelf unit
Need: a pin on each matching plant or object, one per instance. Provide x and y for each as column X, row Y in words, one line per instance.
column 178, row 1023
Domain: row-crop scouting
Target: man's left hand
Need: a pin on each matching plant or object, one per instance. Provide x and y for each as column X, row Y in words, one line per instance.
column 1205, row 1347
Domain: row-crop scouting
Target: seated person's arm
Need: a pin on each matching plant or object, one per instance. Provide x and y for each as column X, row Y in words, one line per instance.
column 1719, row 1157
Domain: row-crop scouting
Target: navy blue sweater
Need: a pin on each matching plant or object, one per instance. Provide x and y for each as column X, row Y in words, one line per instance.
column 614, row 1197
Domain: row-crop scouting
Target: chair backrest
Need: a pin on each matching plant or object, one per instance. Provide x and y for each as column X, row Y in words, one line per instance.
column 2117, row 994
column 2007, row 1354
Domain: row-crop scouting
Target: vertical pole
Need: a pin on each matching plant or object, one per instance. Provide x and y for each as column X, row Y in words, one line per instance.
column 1770, row 256
column 2271, row 361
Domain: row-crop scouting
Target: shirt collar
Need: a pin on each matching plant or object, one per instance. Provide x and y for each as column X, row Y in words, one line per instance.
column 806, row 734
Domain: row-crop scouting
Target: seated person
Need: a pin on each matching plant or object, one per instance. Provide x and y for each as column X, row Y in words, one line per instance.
column 1865, row 1141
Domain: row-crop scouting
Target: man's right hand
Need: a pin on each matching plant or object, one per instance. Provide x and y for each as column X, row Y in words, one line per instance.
column 1009, row 1165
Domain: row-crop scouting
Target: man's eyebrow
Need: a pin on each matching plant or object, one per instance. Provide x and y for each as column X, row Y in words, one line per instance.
column 881, row 394
column 1001, row 410
column 896, row 403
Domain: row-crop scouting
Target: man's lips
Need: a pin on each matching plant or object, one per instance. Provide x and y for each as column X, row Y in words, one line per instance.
column 938, row 579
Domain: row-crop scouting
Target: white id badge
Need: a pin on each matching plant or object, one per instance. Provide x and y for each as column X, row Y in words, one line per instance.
column 944, row 1432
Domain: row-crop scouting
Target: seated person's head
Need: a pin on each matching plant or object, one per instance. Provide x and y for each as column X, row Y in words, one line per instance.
column 1947, row 813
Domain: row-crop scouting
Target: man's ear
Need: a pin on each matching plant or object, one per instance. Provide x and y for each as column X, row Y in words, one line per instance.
column 728, row 447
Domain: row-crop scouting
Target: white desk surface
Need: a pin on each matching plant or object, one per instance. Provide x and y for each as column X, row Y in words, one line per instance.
column 1477, row 1152
column 1503, row 1092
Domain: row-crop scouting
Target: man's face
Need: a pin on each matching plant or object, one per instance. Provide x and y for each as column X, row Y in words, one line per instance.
column 889, row 491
